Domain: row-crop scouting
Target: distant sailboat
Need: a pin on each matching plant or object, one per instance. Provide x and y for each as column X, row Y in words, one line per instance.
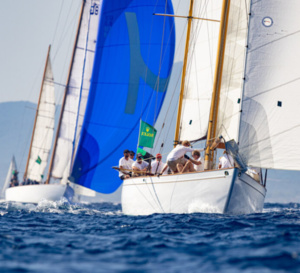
column 75, row 97
column 32, row 190
column 11, row 175
column 133, row 64
column 70, row 121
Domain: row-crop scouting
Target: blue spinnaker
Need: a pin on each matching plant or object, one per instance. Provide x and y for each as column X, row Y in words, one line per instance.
column 133, row 63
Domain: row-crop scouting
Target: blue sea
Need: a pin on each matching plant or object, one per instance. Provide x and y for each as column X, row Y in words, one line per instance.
column 59, row 237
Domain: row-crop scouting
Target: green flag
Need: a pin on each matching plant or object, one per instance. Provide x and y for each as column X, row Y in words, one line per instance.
column 147, row 135
column 141, row 151
column 39, row 160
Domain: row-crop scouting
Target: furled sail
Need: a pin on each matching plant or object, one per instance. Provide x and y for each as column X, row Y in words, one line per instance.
column 134, row 58
column 200, row 70
column 233, row 71
column 43, row 129
column 77, row 90
column 270, row 124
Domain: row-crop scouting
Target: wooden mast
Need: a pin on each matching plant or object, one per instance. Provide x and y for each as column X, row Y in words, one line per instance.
column 36, row 115
column 65, row 95
column 187, row 42
column 217, row 85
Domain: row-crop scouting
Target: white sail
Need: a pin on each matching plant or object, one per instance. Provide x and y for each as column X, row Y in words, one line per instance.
column 43, row 133
column 12, row 167
column 78, row 87
column 200, row 70
column 270, row 124
column 233, row 71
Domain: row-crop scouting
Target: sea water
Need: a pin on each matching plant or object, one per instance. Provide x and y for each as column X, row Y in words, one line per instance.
column 59, row 237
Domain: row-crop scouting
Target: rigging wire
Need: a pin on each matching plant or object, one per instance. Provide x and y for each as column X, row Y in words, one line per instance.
column 172, row 97
column 60, row 42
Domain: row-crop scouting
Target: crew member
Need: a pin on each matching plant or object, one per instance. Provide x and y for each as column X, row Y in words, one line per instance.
column 131, row 155
column 176, row 156
column 139, row 165
column 226, row 161
column 157, row 166
column 195, row 164
column 125, row 163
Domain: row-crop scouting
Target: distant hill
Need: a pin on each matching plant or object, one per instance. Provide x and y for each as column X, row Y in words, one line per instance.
column 16, row 122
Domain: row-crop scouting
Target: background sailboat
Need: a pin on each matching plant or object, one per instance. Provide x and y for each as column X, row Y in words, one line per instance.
column 11, row 171
column 134, row 57
column 31, row 189
column 74, row 101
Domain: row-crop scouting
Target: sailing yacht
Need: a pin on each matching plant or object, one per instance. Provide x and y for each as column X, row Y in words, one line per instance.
column 254, row 107
column 248, row 105
column 67, row 135
column 242, row 32
column 32, row 189
column 133, row 62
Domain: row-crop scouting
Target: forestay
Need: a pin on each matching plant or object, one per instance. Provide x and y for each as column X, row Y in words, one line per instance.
column 44, row 127
column 77, row 90
column 233, row 71
column 134, row 57
column 200, row 70
column 270, row 125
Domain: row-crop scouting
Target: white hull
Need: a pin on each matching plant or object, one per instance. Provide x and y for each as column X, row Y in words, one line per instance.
column 35, row 193
column 218, row 191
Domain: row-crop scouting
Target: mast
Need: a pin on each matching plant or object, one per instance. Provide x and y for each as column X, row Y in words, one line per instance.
column 217, row 85
column 187, row 42
column 36, row 115
column 65, row 95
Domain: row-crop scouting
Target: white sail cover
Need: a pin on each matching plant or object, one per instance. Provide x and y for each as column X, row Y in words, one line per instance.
column 200, row 70
column 270, row 123
column 44, row 128
column 78, row 88
column 228, row 120
column 12, row 167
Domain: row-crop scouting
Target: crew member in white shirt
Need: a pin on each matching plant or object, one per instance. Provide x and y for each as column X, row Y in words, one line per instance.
column 195, row 164
column 139, row 165
column 157, row 166
column 176, row 156
column 125, row 163
column 226, row 161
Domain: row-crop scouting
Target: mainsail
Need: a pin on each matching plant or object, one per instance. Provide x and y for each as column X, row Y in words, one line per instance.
column 42, row 135
column 134, row 58
column 233, row 71
column 200, row 70
column 270, row 125
column 78, row 85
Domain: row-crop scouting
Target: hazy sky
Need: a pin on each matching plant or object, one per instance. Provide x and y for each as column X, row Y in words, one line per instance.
column 27, row 28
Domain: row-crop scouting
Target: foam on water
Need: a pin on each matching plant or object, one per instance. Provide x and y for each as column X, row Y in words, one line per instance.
column 60, row 237
column 196, row 206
